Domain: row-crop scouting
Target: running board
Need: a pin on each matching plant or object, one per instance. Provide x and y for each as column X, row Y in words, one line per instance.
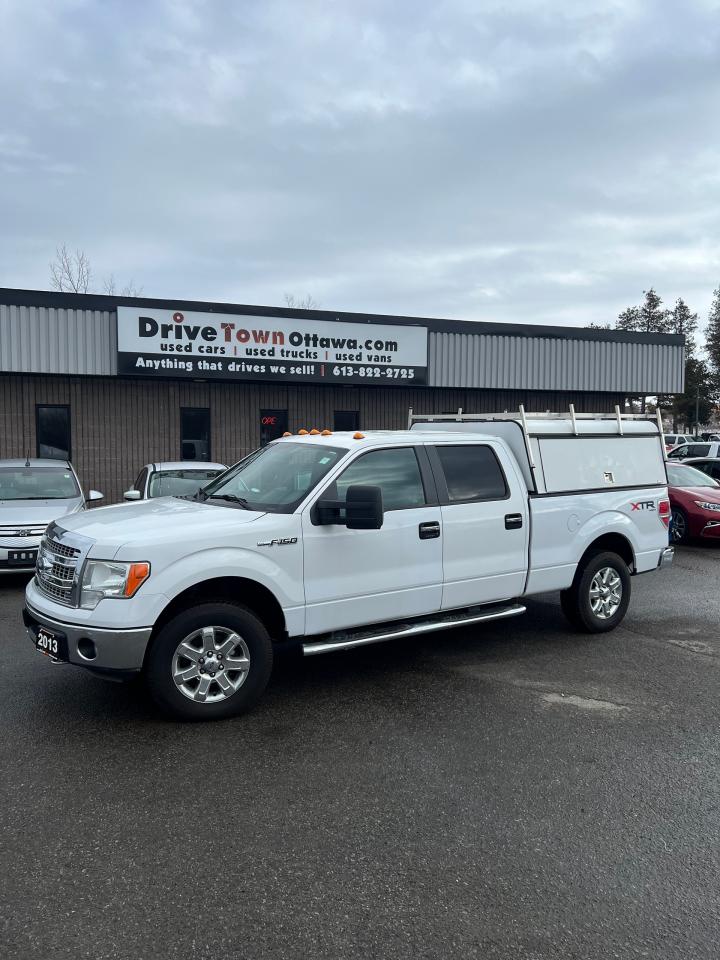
column 345, row 641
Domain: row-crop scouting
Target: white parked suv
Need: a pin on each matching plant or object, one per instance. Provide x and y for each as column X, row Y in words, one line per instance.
column 331, row 541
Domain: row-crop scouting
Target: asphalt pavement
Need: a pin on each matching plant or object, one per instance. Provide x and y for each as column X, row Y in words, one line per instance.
column 510, row 791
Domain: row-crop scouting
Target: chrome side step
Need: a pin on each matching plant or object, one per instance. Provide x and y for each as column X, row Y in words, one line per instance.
column 345, row 641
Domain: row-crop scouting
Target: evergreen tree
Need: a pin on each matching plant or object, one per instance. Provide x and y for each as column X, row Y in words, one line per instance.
column 681, row 321
column 712, row 338
column 647, row 317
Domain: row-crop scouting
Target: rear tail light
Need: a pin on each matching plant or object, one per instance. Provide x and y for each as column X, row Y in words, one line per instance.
column 664, row 512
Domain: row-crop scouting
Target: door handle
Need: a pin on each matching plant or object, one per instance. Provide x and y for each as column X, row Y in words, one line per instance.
column 513, row 521
column 429, row 531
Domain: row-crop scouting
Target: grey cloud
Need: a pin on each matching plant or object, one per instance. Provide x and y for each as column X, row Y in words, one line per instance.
column 450, row 159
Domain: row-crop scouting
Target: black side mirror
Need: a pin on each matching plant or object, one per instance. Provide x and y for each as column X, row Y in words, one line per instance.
column 363, row 507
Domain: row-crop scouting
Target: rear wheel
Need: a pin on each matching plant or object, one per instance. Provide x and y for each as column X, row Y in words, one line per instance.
column 679, row 526
column 598, row 599
column 209, row 662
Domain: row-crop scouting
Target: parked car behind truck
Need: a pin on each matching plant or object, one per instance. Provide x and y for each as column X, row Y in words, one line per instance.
column 331, row 541
column 33, row 492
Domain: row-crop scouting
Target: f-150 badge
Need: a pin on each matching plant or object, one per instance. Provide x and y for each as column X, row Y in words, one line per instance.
column 277, row 543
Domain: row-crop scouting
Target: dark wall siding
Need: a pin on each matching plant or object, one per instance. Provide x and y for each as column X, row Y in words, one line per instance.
column 119, row 425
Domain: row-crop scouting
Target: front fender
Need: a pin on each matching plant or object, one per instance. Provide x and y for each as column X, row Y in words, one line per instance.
column 284, row 580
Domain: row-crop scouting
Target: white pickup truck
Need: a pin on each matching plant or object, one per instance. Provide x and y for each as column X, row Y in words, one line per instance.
column 331, row 541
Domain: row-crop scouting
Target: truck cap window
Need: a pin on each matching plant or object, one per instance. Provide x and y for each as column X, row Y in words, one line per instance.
column 472, row 473
column 396, row 472
column 276, row 478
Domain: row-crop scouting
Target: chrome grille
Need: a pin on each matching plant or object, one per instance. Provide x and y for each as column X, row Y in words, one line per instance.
column 56, row 569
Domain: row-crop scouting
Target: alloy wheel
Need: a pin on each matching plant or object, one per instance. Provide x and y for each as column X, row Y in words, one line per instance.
column 210, row 664
column 606, row 592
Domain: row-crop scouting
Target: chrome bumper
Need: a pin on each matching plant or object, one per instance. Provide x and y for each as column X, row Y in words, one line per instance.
column 121, row 650
column 666, row 557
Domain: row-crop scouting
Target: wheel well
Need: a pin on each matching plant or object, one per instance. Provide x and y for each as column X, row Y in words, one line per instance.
column 616, row 543
column 249, row 593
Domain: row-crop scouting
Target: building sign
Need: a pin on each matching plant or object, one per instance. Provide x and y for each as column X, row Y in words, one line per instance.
column 166, row 343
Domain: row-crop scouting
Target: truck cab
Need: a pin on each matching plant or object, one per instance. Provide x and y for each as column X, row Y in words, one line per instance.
column 328, row 541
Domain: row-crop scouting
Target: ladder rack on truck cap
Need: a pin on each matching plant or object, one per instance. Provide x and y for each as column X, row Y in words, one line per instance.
column 546, row 424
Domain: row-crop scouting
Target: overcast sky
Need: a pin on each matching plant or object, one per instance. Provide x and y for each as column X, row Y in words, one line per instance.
column 539, row 162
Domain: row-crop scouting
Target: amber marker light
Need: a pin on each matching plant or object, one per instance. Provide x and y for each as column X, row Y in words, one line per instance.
column 326, row 433
column 358, row 436
column 302, row 433
column 287, row 434
column 314, row 432
column 137, row 575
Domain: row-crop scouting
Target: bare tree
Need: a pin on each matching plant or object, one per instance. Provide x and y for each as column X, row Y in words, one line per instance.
column 70, row 272
column 129, row 290
column 300, row 303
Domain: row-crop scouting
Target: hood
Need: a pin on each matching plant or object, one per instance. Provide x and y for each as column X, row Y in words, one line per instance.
column 36, row 512
column 163, row 520
column 711, row 494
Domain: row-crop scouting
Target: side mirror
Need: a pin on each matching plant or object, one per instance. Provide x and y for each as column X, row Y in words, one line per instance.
column 95, row 495
column 131, row 495
column 363, row 507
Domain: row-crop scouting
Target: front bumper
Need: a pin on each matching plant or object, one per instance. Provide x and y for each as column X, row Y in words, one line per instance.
column 711, row 530
column 18, row 544
column 121, row 651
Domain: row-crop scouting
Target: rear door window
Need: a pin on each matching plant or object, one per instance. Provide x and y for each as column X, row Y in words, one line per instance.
column 698, row 450
column 472, row 473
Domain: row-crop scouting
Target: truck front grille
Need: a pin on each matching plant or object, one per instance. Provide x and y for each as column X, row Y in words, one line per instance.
column 56, row 570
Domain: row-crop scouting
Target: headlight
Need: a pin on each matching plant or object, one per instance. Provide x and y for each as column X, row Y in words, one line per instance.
column 105, row 578
column 704, row 505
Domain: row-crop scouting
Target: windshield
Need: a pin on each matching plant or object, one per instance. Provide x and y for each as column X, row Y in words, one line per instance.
column 37, row 483
column 276, row 478
column 179, row 483
column 684, row 476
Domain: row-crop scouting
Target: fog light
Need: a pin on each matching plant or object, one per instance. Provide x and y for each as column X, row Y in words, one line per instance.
column 86, row 648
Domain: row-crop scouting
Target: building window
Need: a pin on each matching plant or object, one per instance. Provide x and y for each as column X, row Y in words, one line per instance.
column 346, row 420
column 273, row 424
column 194, row 433
column 52, row 430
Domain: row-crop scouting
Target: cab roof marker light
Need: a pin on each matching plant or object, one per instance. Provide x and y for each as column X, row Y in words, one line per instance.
column 314, row 432
column 326, row 433
column 358, row 436
column 302, row 433
column 287, row 434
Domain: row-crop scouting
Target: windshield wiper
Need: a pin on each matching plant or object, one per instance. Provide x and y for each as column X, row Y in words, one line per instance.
column 231, row 498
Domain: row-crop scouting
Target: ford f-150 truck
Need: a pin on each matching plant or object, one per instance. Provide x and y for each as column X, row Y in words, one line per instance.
column 331, row 541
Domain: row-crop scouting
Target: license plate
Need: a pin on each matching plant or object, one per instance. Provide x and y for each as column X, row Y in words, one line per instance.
column 22, row 558
column 51, row 644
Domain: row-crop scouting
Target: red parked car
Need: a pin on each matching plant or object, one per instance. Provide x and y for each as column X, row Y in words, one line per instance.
column 695, row 503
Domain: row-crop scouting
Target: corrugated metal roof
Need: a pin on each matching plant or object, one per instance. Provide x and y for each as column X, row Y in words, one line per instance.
column 57, row 340
column 544, row 363
column 62, row 339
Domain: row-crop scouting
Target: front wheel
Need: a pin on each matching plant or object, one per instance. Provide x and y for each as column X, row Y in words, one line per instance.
column 209, row 662
column 598, row 599
column 679, row 526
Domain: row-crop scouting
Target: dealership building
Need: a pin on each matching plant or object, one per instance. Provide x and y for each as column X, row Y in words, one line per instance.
column 114, row 383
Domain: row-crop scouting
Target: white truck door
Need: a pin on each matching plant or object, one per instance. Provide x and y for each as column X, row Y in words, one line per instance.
column 356, row 577
column 484, row 523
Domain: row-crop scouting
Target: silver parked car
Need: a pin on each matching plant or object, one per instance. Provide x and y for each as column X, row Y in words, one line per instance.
column 172, row 479
column 33, row 493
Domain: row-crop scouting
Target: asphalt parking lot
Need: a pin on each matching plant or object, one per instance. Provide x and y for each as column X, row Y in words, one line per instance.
column 515, row 791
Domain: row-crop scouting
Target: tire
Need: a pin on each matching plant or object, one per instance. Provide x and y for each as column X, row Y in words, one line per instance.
column 207, row 688
column 679, row 526
column 581, row 604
